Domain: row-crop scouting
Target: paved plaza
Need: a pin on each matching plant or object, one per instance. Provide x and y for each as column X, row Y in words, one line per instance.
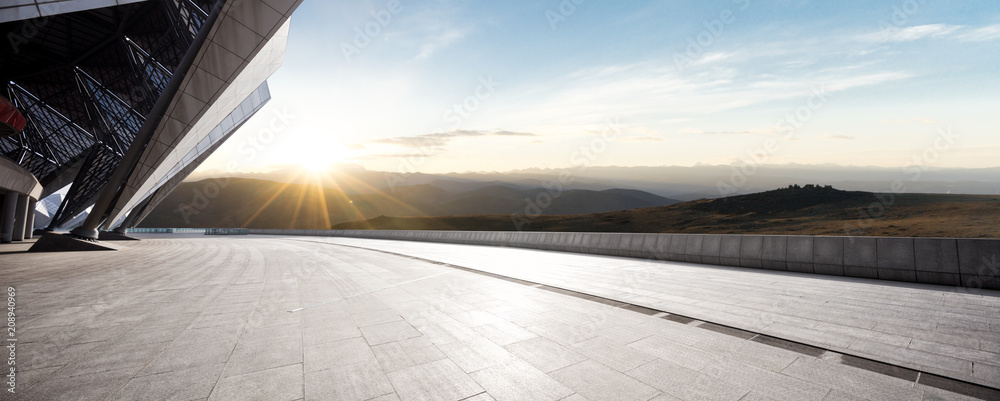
column 194, row 317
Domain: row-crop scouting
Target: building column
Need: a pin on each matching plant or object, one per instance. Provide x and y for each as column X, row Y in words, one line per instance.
column 20, row 217
column 29, row 226
column 7, row 217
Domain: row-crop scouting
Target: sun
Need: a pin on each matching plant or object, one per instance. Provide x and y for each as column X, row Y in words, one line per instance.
column 321, row 156
column 315, row 164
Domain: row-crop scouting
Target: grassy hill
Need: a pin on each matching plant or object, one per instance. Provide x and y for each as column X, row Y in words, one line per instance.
column 804, row 211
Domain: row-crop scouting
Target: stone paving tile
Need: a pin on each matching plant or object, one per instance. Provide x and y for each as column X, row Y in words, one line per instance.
column 612, row 354
column 625, row 334
column 356, row 381
column 925, row 359
column 439, row 380
column 987, row 372
column 765, row 382
column 475, row 354
column 330, row 333
column 447, row 332
column 389, row 332
column 45, row 355
column 219, row 308
column 674, row 352
column 791, row 301
column 378, row 317
column 856, row 382
column 936, row 394
column 564, row 333
column 180, row 385
column 393, row 357
column 835, row 395
column 516, row 380
column 976, row 356
column 112, row 357
column 278, row 384
column 503, row 332
column 755, row 396
column 687, row 384
column 594, row 381
column 184, row 357
column 331, row 355
column 480, row 397
column 97, row 386
column 749, row 352
column 27, row 378
column 263, row 357
column 544, row 354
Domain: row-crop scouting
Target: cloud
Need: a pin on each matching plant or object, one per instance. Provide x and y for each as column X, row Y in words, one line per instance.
column 437, row 140
column 921, row 120
column 919, row 32
column 755, row 131
column 391, row 156
column 837, row 137
column 440, row 40
column 356, row 146
column 911, row 33
column 644, row 139
column 983, row 34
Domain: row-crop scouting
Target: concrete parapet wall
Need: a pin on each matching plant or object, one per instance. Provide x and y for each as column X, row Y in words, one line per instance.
column 971, row 263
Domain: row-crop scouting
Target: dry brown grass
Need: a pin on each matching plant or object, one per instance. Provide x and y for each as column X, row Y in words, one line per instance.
column 785, row 211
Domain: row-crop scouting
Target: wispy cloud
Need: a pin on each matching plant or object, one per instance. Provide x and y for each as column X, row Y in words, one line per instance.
column 437, row 140
column 837, row 137
column 983, row 34
column 911, row 33
column 921, row 120
column 756, row 131
column 440, row 40
column 644, row 139
column 933, row 31
column 391, row 156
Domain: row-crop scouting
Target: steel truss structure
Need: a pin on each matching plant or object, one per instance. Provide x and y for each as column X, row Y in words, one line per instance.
column 87, row 82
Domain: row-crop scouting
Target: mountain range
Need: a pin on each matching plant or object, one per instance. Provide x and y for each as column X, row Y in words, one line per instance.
column 675, row 182
column 243, row 202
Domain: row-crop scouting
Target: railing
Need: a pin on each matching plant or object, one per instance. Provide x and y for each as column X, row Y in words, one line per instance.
column 225, row 231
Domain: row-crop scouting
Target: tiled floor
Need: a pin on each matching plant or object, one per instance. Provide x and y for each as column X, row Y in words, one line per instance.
column 946, row 331
column 197, row 317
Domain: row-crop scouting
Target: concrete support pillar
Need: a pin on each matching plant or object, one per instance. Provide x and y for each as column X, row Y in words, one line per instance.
column 20, row 217
column 7, row 217
column 29, row 226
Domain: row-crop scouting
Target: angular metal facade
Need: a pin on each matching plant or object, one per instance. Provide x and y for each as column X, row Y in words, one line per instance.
column 89, row 81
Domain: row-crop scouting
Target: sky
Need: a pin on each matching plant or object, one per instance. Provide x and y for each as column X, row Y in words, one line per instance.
column 457, row 86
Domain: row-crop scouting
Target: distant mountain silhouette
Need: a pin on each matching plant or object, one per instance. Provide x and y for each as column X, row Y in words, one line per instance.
column 253, row 203
column 674, row 182
column 794, row 210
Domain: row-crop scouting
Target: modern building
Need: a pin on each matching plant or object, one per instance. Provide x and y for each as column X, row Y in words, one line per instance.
column 116, row 102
